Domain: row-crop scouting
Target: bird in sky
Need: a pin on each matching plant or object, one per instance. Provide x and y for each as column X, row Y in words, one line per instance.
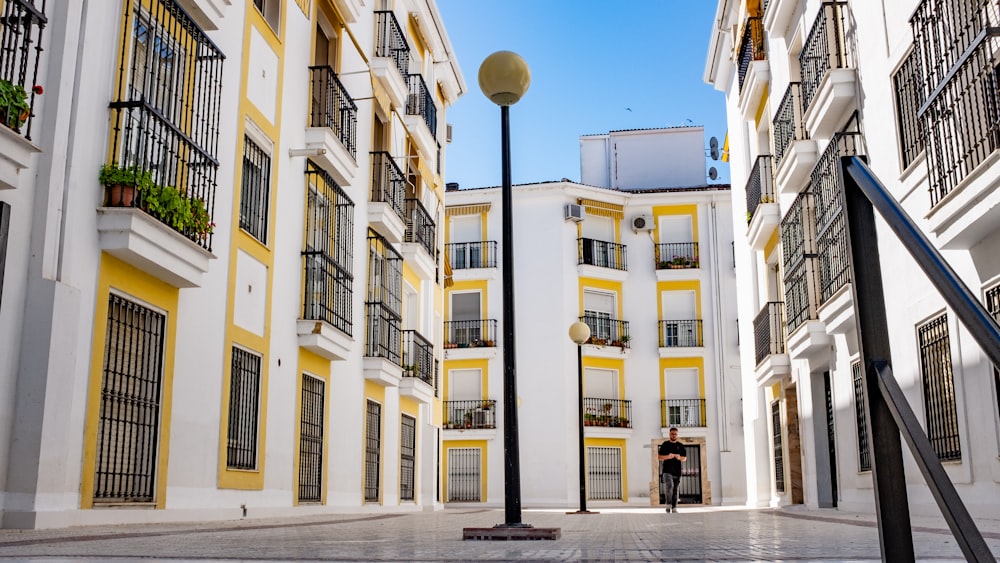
column 628, row 109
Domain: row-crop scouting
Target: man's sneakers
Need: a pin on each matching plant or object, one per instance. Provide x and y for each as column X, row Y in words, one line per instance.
column 669, row 510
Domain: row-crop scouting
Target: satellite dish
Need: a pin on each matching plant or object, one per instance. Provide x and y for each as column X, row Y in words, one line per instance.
column 713, row 143
column 714, row 153
column 713, row 173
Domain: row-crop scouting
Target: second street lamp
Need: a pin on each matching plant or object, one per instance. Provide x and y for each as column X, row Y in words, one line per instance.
column 579, row 332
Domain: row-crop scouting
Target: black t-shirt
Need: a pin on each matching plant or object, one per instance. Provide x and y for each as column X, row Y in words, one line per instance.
column 673, row 465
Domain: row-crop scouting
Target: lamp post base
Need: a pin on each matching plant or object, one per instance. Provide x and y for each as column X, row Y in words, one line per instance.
column 584, row 512
column 511, row 532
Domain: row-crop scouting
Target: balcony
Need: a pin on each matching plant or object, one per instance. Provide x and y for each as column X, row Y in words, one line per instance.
column 21, row 27
column 798, row 247
column 386, row 211
column 421, row 116
column 333, row 124
column 676, row 256
column 607, row 413
column 419, row 368
column 470, row 415
column 794, row 151
column 754, row 71
column 391, row 63
column 683, row 413
column 831, row 226
column 480, row 333
column 325, row 327
column 601, row 254
column 683, row 333
column 609, row 338
column 769, row 344
column 383, row 341
column 471, row 255
column 763, row 212
column 420, row 239
column 961, row 117
column 828, row 81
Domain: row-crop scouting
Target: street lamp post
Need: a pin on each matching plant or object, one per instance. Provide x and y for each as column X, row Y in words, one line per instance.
column 504, row 77
column 579, row 332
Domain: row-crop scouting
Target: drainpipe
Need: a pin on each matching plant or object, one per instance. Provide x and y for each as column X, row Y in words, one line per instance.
column 720, row 365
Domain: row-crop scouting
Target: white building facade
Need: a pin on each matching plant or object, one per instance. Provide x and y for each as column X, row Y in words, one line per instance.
column 254, row 331
column 643, row 255
column 806, row 83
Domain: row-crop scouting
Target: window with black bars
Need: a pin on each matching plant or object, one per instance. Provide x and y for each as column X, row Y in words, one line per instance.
column 407, row 457
column 4, row 235
column 128, row 432
column 992, row 305
column 779, row 456
column 329, row 252
column 255, row 190
column 464, row 475
column 165, row 115
column 383, row 304
column 373, row 451
column 939, row 388
column 604, row 473
column 244, row 407
column 861, row 420
column 311, row 440
column 907, row 83
column 21, row 27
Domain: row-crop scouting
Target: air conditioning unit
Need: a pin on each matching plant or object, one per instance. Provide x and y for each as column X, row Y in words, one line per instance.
column 573, row 212
column 643, row 222
column 447, row 134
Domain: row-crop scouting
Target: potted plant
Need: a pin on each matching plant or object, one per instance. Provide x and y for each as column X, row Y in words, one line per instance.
column 184, row 215
column 122, row 184
column 14, row 104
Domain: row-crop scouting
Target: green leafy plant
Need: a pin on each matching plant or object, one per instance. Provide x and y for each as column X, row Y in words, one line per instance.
column 183, row 214
column 13, row 104
column 114, row 175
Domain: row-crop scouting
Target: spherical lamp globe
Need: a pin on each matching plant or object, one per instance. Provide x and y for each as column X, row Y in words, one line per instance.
column 579, row 332
column 504, row 77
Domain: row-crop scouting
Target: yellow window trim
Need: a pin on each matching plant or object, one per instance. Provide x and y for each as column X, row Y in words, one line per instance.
column 471, row 209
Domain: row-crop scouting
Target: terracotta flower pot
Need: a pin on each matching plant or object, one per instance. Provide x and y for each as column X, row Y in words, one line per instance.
column 120, row 195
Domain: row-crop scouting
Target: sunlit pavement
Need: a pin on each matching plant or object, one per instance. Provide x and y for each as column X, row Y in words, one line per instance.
column 630, row 534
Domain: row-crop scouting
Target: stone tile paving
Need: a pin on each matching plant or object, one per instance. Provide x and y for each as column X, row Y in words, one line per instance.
column 694, row 534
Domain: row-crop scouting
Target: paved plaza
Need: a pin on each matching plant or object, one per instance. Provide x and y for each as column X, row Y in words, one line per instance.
column 620, row 534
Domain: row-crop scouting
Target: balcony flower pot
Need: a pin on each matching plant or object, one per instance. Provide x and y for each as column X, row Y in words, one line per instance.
column 122, row 185
column 14, row 106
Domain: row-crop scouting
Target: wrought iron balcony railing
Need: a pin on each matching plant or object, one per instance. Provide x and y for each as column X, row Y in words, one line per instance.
column 388, row 182
column 769, row 331
column 831, row 236
column 470, row 334
column 751, row 46
column 676, row 255
column 960, row 114
column 333, row 107
column 616, row 413
column 760, row 185
column 382, row 333
column 465, row 255
column 328, row 253
column 21, row 27
column 385, row 274
column 419, row 225
column 390, row 41
column 908, row 83
column 328, row 291
column 788, row 123
column 601, row 253
column 166, row 121
column 474, row 414
column 418, row 357
column 605, row 331
column 420, row 102
column 798, row 249
column 681, row 333
column 824, row 49
column 682, row 413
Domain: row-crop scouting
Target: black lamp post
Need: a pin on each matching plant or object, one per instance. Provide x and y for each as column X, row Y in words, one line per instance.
column 504, row 77
column 579, row 332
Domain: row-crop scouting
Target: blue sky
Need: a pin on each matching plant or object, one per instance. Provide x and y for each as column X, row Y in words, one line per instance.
column 589, row 60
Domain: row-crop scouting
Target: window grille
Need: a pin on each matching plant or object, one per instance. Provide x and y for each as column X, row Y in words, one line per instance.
column 939, row 388
column 128, row 432
column 861, row 420
column 373, row 451
column 604, row 473
column 383, row 306
column 407, row 457
column 165, row 115
column 992, row 305
column 464, row 475
column 779, row 456
column 909, row 97
column 255, row 190
column 329, row 252
column 311, row 440
column 21, row 27
column 689, row 489
column 244, row 407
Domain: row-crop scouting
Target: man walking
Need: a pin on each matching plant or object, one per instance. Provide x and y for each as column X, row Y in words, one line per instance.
column 671, row 455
